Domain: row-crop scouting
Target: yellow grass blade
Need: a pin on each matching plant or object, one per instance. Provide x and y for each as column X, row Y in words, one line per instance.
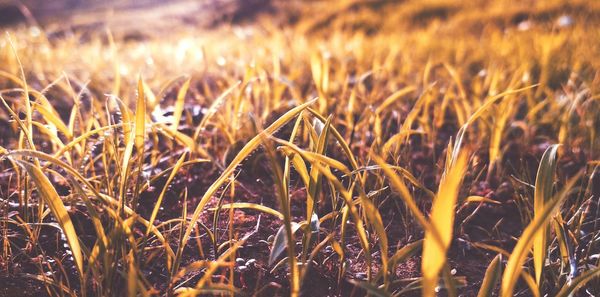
column 376, row 222
column 480, row 199
column 150, row 98
column 312, row 157
column 124, row 174
column 397, row 139
column 492, row 276
column 405, row 252
column 398, row 185
column 25, row 87
column 213, row 109
column 543, row 192
column 525, row 242
column 489, row 102
column 93, row 215
column 395, row 96
column 110, row 201
column 575, row 284
column 300, row 167
column 183, row 139
column 442, row 220
column 164, row 190
column 244, row 152
column 140, row 117
column 125, row 118
column 340, row 140
column 314, row 185
column 51, row 117
column 83, row 137
column 179, row 104
column 252, row 206
column 132, row 278
column 405, row 174
column 298, row 163
column 347, row 196
column 50, row 196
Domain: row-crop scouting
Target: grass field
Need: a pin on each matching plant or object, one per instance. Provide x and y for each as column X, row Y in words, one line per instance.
column 317, row 148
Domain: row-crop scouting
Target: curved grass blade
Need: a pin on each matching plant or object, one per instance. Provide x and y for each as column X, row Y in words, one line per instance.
column 405, row 252
column 246, row 150
column 480, row 199
column 407, row 198
column 442, row 220
column 336, row 134
column 525, row 242
column 566, row 248
column 110, row 201
column 213, row 109
column 491, row 278
column 280, row 242
column 125, row 118
column 252, row 206
column 542, row 193
column 164, row 190
column 371, row 289
column 58, row 209
column 183, row 139
column 405, row 174
column 179, row 104
column 575, row 284
column 395, row 96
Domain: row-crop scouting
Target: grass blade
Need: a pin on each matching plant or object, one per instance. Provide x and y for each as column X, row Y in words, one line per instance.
column 140, row 117
column 281, row 241
column 571, row 287
column 253, row 206
column 244, row 152
column 525, row 242
column 491, row 278
column 179, row 104
column 442, row 220
column 164, row 190
column 58, row 209
column 543, row 192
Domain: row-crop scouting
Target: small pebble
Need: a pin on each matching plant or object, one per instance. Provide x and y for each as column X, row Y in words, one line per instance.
column 564, row 21
column 251, row 263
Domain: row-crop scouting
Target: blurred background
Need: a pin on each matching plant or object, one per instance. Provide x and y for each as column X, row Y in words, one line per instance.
column 121, row 12
column 363, row 15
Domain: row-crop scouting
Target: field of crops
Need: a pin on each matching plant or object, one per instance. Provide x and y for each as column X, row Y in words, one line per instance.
column 303, row 148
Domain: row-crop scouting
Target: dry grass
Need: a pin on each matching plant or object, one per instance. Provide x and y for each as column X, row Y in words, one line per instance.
column 314, row 150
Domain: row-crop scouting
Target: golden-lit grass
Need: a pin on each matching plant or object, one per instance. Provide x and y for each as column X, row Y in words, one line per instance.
column 399, row 122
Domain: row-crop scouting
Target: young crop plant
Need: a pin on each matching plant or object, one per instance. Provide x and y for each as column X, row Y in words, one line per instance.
column 300, row 148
